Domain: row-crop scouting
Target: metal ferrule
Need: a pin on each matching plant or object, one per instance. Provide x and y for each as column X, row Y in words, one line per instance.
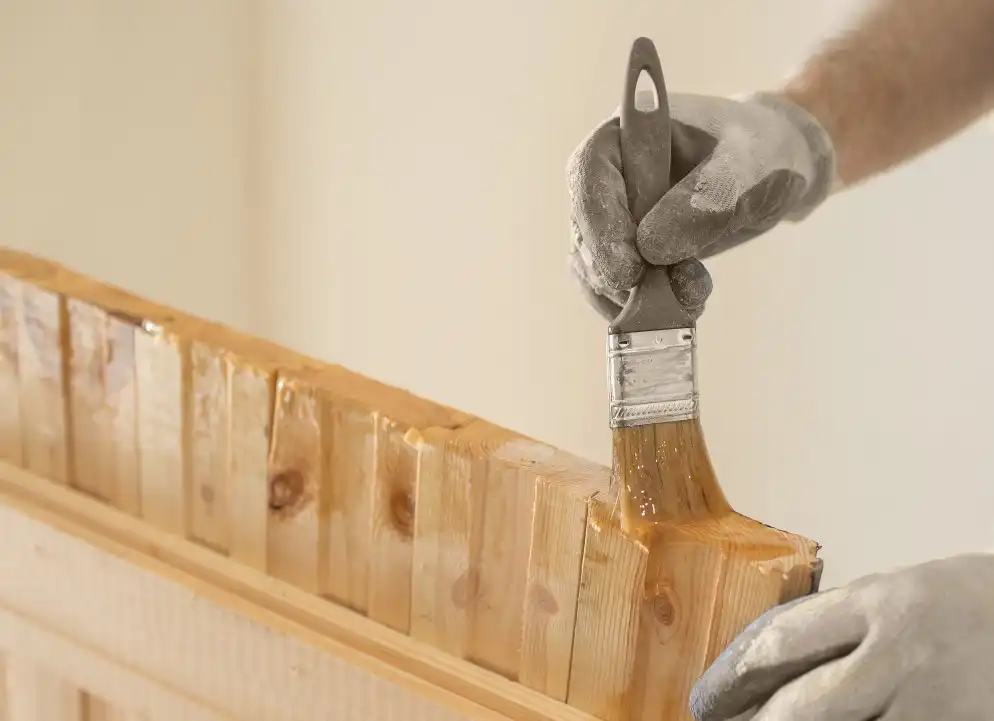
column 652, row 376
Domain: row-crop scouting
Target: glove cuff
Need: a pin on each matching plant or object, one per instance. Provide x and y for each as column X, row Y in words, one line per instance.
column 826, row 180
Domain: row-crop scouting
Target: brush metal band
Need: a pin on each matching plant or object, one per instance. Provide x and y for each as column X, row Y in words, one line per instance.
column 652, row 376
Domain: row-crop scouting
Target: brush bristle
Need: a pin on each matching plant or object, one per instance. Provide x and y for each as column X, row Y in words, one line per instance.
column 664, row 474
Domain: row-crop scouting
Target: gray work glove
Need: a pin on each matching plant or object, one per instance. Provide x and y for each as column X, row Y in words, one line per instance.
column 738, row 169
column 916, row 644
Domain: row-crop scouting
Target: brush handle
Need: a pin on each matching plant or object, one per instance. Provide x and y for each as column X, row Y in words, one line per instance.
column 646, row 147
column 646, row 143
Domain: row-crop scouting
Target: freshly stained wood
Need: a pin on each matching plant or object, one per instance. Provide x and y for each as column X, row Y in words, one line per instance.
column 552, row 590
column 612, row 582
column 709, row 571
column 497, row 553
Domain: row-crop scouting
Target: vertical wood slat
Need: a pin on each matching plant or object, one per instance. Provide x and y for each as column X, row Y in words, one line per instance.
column 250, row 398
column 612, row 579
column 159, row 364
column 206, row 431
column 295, row 486
column 102, row 406
column 503, row 507
column 33, row 694
column 392, row 534
column 349, row 436
column 11, row 442
column 474, row 548
column 41, row 323
column 443, row 582
column 557, row 543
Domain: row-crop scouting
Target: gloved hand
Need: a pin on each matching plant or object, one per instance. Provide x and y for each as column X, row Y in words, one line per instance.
column 738, row 168
column 916, row 644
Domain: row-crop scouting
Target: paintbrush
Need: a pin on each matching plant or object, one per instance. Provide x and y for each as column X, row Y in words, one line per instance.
column 661, row 467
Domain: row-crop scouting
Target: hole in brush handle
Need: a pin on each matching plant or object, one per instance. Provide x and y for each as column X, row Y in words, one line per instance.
column 645, row 135
column 645, row 157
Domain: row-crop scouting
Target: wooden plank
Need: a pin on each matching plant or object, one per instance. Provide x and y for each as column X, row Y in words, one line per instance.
column 392, row 538
column 607, row 618
column 220, row 633
column 557, row 538
column 11, row 442
column 503, row 507
column 42, row 398
column 251, row 396
column 35, row 694
column 444, row 584
column 348, row 458
column 102, row 406
column 207, row 430
column 159, row 363
column 478, row 565
column 295, row 545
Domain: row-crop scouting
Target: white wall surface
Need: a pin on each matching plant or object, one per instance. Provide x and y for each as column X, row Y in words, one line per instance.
column 123, row 144
column 406, row 187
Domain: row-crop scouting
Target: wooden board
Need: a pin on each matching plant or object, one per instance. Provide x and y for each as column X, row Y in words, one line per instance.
column 474, row 541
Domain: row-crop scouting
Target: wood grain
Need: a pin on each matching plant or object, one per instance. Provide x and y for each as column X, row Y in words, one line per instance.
column 473, row 540
column 103, row 406
column 392, row 534
column 43, row 400
column 709, row 572
column 11, row 442
column 348, row 463
column 297, row 536
column 160, row 359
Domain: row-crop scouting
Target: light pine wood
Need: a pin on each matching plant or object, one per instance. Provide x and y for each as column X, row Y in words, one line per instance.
column 222, row 634
column 11, row 440
column 159, row 363
column 468, row 540
column 392, row 534
column 296, row 490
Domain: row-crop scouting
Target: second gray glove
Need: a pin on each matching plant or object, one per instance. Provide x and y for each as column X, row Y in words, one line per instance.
column 738, row 169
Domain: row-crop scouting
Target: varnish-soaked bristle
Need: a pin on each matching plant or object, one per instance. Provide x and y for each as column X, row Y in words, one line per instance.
column 663, row 474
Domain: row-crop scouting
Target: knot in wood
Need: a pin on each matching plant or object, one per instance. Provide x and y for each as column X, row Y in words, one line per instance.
column 543, row 600
column 466, row 589
column 662, row 607
column 402, row 512
column 285, row 489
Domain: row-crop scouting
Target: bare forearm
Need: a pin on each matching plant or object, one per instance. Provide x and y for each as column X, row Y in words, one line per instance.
column 906, row 75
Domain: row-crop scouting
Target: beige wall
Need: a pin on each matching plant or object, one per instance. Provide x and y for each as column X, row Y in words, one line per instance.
column 402, row 167
column 123, row 144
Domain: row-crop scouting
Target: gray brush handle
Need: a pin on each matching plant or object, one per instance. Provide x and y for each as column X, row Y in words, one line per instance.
column 646, row 147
